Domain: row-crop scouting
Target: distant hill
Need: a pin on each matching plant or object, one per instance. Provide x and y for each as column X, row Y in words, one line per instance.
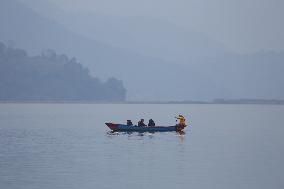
column 35, row 33
column 198, row 67
column 51, row 77
column 146, row 36
column 155, row 59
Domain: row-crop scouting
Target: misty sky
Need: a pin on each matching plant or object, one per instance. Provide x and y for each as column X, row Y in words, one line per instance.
column 242, row 25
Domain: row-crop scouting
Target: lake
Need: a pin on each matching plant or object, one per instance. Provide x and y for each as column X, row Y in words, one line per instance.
column 68, row 146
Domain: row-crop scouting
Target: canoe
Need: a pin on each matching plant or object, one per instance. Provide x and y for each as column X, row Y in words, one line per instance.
column 135, row 128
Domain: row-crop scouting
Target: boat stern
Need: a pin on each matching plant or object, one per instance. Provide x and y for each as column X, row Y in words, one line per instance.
column 180, row 127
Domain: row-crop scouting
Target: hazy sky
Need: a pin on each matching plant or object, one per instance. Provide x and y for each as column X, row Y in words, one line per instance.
column 242, row 25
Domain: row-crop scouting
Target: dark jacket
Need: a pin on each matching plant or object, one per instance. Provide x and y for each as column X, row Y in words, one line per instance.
column 151, row 123
column 141, row 123
column 129, row 122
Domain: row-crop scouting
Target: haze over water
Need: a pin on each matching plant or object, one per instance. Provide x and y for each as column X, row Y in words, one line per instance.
column 68, row 146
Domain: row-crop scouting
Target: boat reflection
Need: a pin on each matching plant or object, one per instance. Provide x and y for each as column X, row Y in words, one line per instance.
column 112, row 134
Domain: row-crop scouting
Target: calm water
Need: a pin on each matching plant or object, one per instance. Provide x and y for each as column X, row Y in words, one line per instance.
column 68, row 146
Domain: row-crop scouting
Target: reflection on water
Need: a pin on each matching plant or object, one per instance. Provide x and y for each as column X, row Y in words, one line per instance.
column 142, row 135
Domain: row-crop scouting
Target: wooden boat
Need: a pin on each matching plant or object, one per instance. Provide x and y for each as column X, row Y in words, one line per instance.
column 135, row 128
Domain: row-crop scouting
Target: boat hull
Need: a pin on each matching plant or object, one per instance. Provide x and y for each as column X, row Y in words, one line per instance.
column 134, row 128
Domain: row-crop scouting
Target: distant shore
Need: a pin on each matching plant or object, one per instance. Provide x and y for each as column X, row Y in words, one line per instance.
column 216, row 101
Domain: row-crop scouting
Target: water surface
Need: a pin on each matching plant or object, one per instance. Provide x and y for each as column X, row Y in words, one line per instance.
column 68, row 146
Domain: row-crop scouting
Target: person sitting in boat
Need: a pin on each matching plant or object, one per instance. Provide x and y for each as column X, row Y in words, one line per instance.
column 141, row 123
column 129, row 122
column 181, row 120
column 151, row 123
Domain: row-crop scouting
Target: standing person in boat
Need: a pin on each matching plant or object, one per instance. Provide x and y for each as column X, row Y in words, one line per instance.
column 151, row 123
column 181, row 120
column 141, row 123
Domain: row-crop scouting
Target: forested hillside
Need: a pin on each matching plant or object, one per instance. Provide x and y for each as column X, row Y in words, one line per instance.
column 50, row 76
